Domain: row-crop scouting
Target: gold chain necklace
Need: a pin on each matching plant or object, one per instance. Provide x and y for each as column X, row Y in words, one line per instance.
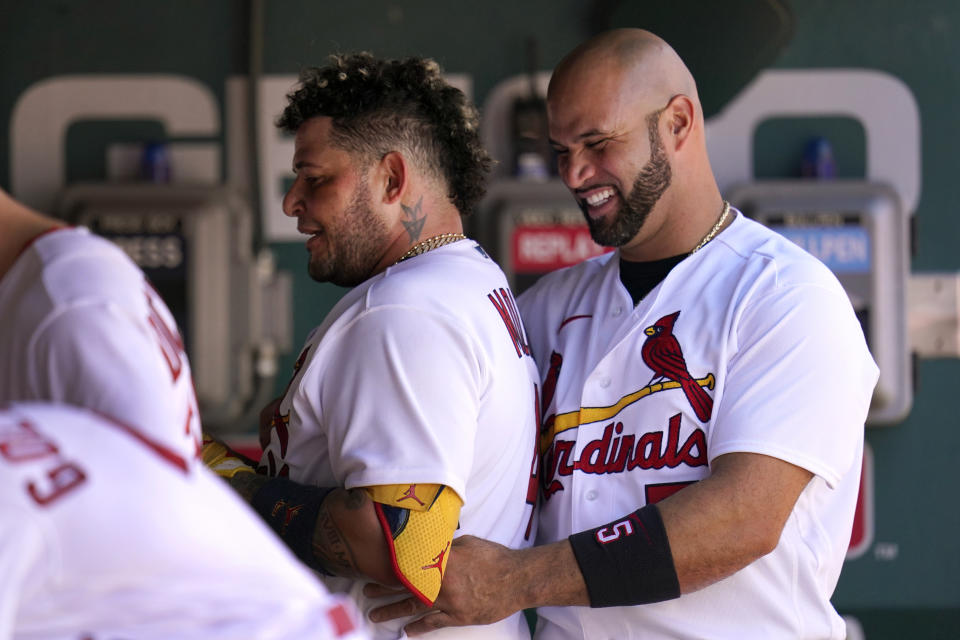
column 707, row 238
column 430, row 244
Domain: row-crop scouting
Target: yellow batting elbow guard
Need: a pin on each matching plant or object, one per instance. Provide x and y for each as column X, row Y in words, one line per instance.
column 219, row 459
column 419, row 521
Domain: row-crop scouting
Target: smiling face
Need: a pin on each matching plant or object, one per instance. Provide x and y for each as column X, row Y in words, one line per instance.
column 610, row 153
column 619, row 228
column 331, row 201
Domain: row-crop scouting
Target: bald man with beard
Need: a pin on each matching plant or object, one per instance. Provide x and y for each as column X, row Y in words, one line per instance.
column 704, row 396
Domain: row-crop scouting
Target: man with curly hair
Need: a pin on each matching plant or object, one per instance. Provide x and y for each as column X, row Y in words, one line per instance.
column 412, row 412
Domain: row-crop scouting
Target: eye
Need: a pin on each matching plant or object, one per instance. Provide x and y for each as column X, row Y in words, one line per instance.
column 597, row 145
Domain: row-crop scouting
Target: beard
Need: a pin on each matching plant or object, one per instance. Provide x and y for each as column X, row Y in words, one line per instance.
column 649, row 185
column 355, row 244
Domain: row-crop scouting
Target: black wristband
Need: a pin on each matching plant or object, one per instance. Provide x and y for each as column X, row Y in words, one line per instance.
column 628, row 561
column 291, row 510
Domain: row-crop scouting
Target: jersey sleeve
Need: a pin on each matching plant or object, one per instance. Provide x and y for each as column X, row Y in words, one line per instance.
column 99, row 357
column 799, row 382
column 402, row 405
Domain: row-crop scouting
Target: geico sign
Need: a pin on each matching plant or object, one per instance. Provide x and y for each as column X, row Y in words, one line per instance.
column 186, row 108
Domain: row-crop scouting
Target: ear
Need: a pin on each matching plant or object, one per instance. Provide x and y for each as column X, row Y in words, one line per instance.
column 392, row 176
column 681, row 117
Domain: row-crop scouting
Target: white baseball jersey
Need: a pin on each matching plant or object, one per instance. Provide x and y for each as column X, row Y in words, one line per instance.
column 749, row 345
column 106, row 534
column 422, row 374
column 79, row 323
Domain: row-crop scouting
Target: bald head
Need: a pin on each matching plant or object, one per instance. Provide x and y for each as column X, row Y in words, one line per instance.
column 627, row 125
column 639, row 64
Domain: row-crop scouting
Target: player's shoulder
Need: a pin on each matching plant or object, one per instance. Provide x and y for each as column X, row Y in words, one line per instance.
column 449, row 276
column 766, row 254
column 73, row 242
column 584, row 278
column 77, row 265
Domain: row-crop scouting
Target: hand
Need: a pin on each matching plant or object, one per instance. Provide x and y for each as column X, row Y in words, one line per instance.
column 474, row 590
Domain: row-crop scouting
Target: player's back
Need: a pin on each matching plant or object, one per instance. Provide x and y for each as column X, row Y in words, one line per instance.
column 109, row 534
column 80, row 324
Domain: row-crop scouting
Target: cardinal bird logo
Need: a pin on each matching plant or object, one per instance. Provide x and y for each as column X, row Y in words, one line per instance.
column 661, row 352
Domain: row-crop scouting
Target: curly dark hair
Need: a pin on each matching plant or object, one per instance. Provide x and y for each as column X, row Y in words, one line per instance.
column 379, row 105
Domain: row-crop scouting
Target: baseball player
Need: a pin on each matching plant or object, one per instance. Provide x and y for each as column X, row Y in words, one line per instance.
column 705, row 390
column 79, row 323
column 106, row 533
column 412, row 414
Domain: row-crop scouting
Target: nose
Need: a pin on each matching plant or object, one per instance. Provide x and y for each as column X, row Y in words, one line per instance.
column 292, row 200
column 575, row 168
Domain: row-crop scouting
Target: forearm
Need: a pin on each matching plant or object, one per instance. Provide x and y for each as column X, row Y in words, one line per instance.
column 342, row 538
column 713, row 529
column 723, row 523
column 486, row 582
column 546, row 575
column 348, row 539
column 702, row 554
column 698, row 536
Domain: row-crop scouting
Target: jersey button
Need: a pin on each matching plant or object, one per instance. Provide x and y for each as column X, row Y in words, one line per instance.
column 604, row 382
column 591, row 495
column 617, row 311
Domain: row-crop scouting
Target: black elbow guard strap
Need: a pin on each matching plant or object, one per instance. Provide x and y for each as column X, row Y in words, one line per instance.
column 291, row 510
column 627, row 562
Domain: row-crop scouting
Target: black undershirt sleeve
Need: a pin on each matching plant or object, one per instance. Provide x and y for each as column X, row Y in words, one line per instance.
column 291, row 510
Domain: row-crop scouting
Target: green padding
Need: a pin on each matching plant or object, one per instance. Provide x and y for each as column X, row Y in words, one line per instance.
column 725, row 44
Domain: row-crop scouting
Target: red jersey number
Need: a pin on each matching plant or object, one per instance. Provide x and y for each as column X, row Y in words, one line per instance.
column 25, row 444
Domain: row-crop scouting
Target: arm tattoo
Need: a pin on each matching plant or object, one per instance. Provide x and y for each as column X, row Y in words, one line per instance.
column 331, row 549
column 414, row 225
column 356, row 499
